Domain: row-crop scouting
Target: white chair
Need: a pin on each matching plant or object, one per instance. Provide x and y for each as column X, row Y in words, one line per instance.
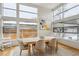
column 22, row 46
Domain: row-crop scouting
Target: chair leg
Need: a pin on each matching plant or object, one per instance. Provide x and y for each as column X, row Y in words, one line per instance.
column 20, row 52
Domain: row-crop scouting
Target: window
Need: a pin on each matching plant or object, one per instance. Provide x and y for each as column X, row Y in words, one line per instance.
column 71, row 12
column 58, row 17
column 9, row 9
column 70, row 5
column 58, row 10
column 27, row 15
column 27, row 12
column 27, row 29
column 28, row 9
column 9, row 13
column 9, row 5
column 9, row 30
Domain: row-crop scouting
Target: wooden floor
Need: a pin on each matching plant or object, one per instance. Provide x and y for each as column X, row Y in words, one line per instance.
column 7, row 51
column 67, row 51
column 62, row 51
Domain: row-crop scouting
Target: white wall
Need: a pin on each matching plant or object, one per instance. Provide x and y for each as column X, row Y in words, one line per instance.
column 47, row 15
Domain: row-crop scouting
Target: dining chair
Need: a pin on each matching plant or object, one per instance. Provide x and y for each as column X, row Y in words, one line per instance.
column 53, row 45
column 22, row 46
column 47, row 46
column 39, row 48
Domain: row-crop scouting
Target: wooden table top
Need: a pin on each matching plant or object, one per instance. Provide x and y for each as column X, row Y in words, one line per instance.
column 33, row 42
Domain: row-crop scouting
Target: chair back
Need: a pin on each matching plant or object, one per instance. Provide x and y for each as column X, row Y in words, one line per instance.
column 22, row 46
column 53, row 42
column 54, row 45
column 20, row 42
column 40, row 44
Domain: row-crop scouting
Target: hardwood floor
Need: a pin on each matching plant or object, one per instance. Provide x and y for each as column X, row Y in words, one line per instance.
column 62, row 51
column 67, row 51
column 7, row 51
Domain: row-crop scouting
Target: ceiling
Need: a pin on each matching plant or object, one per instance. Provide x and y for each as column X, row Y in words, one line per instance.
column 47, row 5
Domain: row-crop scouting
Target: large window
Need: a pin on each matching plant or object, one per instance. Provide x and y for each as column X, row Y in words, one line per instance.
column 28, row 9
column 9, row 13
column 27, row 12
column 70, row 5
column 66, row 10
column 58, row 14
column 58, row 10
column 9, row 9
column 71, row 12
column 27, row 30
column 9, row 5
column 27, row 15
column 9, row 30
column 57, row 17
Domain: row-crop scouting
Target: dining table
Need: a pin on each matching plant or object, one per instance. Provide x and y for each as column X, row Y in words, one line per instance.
column 30, row 47
column 30, row 42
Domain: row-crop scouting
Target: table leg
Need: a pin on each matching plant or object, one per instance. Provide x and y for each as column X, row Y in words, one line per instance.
column 29, row 49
